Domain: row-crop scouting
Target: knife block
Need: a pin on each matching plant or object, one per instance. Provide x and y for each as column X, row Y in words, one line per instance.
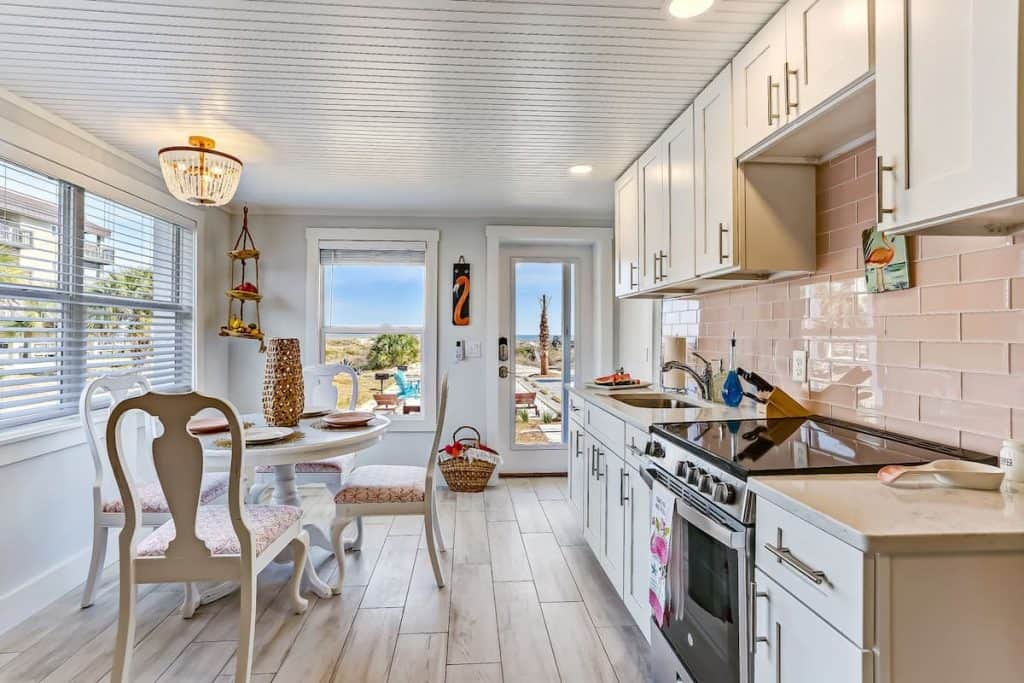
column 780, row 404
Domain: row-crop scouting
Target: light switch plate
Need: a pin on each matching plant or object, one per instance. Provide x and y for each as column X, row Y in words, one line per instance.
column 473, row 349
column 799, row 367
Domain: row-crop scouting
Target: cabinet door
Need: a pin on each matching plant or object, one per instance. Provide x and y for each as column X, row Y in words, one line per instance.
column 941, row 70
column 715, row 175
column 653, row 231
column 827, row 49
column 578, row 467
column 757, row 79
column 627, row 232
column 637, row 562
column 592, row 519
column 615, row 518
column 679, row 264
column 800, row 647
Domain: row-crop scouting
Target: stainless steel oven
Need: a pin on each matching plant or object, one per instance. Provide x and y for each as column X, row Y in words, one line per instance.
column 704, row 637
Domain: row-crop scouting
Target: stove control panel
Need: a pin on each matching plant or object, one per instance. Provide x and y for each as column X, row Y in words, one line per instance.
column 723, row 488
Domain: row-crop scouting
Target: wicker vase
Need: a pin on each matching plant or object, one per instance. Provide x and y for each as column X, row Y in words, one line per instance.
column 282, row 383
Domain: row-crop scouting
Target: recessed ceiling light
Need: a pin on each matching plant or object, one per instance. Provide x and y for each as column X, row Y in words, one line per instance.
column 581, row 169
column 685, row 9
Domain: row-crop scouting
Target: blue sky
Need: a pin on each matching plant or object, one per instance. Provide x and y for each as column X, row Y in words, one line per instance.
column 532, row 280
column 371, row 295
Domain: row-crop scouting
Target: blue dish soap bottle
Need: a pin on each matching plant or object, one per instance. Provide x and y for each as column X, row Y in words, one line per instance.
column 732, row 390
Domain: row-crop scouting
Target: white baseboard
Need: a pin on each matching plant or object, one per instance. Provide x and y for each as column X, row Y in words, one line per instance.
column 30, row 597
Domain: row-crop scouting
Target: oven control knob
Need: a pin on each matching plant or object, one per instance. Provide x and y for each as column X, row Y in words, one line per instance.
column 688, row 471
column 704, row 483
column 724, row 493
column 693, row 475
column 656, row 450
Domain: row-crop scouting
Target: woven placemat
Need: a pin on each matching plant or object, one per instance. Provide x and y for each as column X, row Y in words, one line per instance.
column 294, row 436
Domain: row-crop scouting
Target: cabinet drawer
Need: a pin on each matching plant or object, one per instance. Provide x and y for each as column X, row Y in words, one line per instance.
column 577, row 406
column 610, row 430
column 832, row 578
column 796, row 646
column 636, row 441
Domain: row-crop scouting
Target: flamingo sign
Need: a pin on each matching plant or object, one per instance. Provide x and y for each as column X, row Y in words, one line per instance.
column 885, row 261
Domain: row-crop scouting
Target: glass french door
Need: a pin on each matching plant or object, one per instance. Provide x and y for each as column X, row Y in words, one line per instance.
column 543, row 358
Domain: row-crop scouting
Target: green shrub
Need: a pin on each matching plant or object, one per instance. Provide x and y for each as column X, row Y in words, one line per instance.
column 523, row 415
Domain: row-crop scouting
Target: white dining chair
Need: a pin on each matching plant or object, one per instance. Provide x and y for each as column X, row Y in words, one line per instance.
column 108, row 508
column 393, row 490
column 320, row 390
column 232, row 542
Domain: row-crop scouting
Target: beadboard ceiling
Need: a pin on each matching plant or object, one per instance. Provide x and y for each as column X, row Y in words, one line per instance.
column 445, row 107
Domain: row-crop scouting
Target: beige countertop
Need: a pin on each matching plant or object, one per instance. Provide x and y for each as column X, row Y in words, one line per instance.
column 645, row 417
column 861, row 511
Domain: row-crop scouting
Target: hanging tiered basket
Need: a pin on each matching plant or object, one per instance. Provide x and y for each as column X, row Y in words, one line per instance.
column 245, row 262
column 466, row 463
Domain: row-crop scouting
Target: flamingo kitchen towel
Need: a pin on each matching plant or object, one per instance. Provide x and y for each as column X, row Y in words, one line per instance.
column 663, row 504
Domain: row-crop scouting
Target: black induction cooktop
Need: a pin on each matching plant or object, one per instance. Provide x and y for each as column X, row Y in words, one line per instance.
column 813, row 445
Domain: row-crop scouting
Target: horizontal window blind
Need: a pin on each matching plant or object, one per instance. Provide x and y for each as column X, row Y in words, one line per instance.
column 88, row 287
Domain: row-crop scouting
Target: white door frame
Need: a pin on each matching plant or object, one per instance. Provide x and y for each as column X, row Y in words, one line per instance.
column 596, row 325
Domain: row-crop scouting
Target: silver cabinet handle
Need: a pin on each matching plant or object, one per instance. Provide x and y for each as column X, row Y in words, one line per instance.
column 593, row 460
column 635, row 450
column 579, row 450
column 783, row 554
column 880, row 167
column 791, row 105
column 778, row 652
column 772, row 87
column 599, row 454
column 661, row 266
column 624, row 485
column 752, row 596
column 722, row 256
column 633, row 267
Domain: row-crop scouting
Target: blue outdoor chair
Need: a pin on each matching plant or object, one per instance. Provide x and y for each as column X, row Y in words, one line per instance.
column 406, row 388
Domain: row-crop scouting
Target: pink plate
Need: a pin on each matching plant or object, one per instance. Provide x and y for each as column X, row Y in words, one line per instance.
column 348, row 419
column 208, row 425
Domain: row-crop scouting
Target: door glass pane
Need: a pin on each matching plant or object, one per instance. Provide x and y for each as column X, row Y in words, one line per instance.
column 542, row 307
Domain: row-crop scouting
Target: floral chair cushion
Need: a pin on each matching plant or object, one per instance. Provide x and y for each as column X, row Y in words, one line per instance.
column 213, row 526
column 151, row 495
column 338, row 465
column 383, row 484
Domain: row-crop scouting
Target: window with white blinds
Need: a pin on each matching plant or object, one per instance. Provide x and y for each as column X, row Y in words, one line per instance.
column 88, row 287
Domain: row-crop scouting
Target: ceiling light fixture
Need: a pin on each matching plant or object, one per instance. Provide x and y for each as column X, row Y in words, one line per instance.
column 581, row 169
column 686, row 9
column 198, row 174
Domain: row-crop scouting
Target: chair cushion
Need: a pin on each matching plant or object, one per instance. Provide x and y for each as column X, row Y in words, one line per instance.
column 213, row 526
column 383, row 484
column 151, row 495
column 337, row 465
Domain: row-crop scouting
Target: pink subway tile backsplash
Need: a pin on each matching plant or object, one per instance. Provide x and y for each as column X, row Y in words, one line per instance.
column 943, row 360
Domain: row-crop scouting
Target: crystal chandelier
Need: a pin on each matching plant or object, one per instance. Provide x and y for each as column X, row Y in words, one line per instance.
column 198, row 174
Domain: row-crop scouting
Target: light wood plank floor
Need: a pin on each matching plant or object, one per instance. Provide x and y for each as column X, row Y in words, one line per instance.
column 525, row 601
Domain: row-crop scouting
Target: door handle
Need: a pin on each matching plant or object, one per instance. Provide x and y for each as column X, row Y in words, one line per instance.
column 772, row 87
column 623, row 480
column 753, row 595
column 785, row 556
column 661, row 264
column 722, row 256
column 599, row 454
column 593, row 460
column 790, row 105
column 880, row 168
column 633, row 267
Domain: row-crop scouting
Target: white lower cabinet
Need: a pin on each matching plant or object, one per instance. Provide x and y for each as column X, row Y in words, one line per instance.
column 636, row 582
column 794, row 645
column 613, row 504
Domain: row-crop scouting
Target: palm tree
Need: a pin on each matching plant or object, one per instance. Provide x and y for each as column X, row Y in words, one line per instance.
column 543, row 336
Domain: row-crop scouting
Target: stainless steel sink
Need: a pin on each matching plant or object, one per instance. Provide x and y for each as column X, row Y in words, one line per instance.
column 656, row 401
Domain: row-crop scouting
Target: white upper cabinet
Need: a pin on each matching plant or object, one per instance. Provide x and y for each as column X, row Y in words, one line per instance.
column 654, row 240
column 714, row 168
column 627, row 232
column 757, row 77
column 828, row 47
column 677, row 262
column 948, row 112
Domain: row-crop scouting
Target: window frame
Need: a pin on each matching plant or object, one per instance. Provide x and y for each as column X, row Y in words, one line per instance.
column 68, row 292
column 313, row 345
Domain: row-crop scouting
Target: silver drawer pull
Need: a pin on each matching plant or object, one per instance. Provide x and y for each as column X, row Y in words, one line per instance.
column 635, row 450
column 783, row 554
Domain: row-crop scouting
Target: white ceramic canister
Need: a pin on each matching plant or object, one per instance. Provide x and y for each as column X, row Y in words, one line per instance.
column 1011, row 459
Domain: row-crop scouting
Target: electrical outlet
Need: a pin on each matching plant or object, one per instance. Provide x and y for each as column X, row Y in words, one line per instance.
column 799, row 374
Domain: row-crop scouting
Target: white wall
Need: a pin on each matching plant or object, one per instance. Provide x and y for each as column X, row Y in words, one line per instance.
column 281, row 240
column 46, row 474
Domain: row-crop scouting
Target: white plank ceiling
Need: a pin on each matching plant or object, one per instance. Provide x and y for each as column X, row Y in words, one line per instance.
column 445, row 107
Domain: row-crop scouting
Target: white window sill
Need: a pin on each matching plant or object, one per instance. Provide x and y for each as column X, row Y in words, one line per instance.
column 41, row 438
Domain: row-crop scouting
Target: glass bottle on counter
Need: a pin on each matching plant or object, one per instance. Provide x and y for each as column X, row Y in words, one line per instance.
column 732, row 390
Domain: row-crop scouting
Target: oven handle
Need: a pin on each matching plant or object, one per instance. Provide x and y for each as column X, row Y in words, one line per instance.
column 721, row 533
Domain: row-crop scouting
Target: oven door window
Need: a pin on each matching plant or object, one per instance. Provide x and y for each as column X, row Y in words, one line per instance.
column 704, row 611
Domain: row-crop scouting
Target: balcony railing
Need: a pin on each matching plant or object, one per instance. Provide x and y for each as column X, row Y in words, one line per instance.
column 97, row 253
column 15, row 236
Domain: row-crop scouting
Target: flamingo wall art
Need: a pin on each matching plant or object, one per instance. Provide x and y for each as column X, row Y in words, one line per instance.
column 885, row 261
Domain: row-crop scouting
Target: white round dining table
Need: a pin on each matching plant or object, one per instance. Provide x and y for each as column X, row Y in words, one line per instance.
column 315, row 500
